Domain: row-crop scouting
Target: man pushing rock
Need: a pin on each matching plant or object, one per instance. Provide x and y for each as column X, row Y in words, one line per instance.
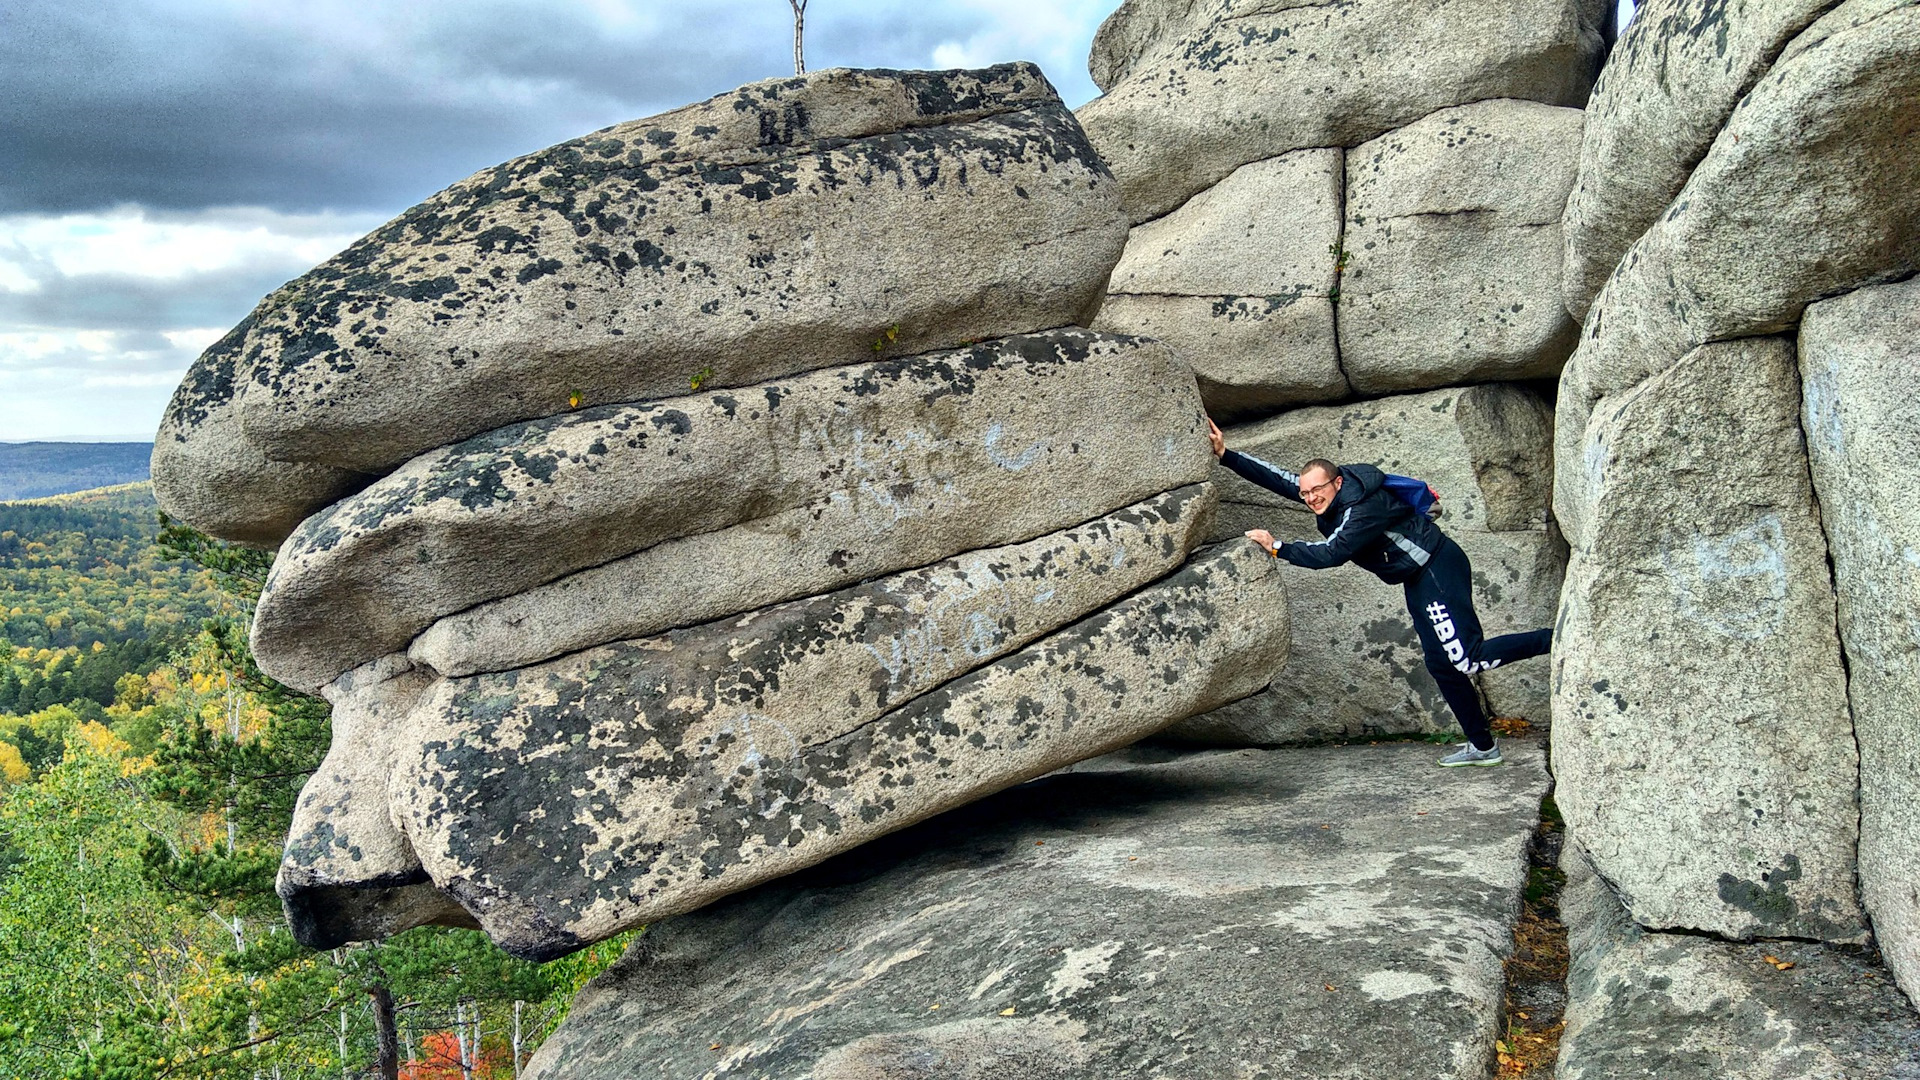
column 1365, row 524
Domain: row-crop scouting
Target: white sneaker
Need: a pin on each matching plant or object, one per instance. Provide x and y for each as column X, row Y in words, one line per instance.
column 1467, row 755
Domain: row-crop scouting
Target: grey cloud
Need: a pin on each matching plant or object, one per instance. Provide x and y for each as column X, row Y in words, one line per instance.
column 125, row 302
column 117, row 101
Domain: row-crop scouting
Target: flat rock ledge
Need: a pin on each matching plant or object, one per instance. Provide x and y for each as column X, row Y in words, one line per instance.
column 1333, row 912
column 1693, row 1007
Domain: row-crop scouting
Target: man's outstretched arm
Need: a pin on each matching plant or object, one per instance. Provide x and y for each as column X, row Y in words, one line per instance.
column 1272, row 477
column 1358, row 526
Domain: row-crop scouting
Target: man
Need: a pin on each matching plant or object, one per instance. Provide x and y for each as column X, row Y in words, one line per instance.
column 1369, row 526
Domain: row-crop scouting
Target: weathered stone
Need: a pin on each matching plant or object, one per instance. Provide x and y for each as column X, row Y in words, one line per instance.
column 1486, row 449
column 1453, row 242
column 882, row 466
column 346, row 864
column 1133, row 28
column 772, row 230
column 1668, row 87
column 830, row 662
column 207, row 474
column 1686, row 1007
column 563, row 803
column 1150, row 538
column 1177, row 919
column 1702, row 747
column 1811, row 189
column 1238, row 282
column 1226, row 82
column 1860, row 370
column 1355, row 668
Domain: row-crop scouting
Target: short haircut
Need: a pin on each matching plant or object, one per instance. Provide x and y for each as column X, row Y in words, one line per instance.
column 1325, row 466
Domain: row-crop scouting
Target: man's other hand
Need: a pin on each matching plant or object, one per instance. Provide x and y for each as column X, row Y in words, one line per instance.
column 1261, row 537
column 1215, row 439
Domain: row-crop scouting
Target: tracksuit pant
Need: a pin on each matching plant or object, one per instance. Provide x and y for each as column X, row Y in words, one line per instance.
column 1440, row 599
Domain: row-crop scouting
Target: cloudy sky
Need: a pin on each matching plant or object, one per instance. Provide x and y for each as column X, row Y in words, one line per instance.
column 165, row 163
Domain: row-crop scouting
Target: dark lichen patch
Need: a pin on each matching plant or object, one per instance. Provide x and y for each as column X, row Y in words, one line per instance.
column 1767, row 900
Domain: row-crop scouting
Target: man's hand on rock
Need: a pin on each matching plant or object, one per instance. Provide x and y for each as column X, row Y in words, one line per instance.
column 1261, row 537
column 1215, row 439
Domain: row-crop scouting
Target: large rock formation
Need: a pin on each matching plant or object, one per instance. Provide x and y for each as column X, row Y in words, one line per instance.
column 602, row 651
column 1322, row 913
column 1777, row 148
column 1806, row 193
column 1356, row 666
column 1703, row 750
column 1860, row 372
column 1197, row 88
column 773, row 230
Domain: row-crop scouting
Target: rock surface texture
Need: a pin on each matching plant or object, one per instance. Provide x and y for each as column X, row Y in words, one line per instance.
column 760, row 234
column 563, row 803
column 1860, row 371
column 1668, row 87
column 1453, row 242
column 1239, row 282
column 1197, row 88
column 1703, row 750
column 1336, row 913
column 1487, row 449
column 1686, row 1007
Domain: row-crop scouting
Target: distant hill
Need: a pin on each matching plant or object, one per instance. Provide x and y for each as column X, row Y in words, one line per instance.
column 81, row 568
column 35, row 470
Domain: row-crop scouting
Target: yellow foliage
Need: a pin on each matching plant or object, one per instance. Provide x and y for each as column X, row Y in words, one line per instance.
column 98, row 740
column 12, row 769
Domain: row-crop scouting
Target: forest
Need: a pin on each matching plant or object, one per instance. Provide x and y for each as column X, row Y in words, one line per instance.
column 148, row 772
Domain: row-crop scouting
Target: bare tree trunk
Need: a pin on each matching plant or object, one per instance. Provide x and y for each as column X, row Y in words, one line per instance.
column 387, row 1061
column 517, row 1005
column 799, row 32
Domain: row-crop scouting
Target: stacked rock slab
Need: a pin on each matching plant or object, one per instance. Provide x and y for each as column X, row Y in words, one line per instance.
column 1703, row 749
column 1428, row 256
column 773, row 230
column 1860, row 377
column 1684, row 422
column 1194, row 89
column 1356, row 667
column 791, row 487
column 646, row 570
column 567, row 801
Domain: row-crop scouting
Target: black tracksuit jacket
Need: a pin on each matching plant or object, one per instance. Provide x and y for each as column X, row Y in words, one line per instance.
column 1365, row 524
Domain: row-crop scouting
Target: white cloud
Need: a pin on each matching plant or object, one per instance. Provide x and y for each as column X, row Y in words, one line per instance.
column 1056, row 35
column 131, row 241
column 92, row 305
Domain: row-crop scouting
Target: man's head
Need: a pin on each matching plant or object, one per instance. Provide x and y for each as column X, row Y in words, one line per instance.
column 1319, row 483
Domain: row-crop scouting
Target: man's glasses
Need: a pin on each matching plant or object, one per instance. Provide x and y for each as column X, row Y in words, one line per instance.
column 1317, row 488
